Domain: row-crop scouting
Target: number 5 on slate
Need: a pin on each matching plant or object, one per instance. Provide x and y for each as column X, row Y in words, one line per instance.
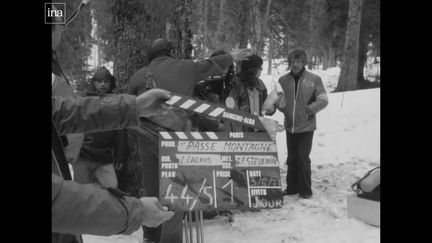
column 208, row 194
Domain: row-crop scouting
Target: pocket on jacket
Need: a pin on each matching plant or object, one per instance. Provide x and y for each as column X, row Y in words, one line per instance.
column 310, row 117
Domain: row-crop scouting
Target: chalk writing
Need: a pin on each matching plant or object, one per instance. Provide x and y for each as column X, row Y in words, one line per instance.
column 266, row 203
column 230, row 182
column 169, row 195
column 256, row 161
column 258, row 192
column 265, row 181
column 199, row 159
column 226, row 146
column 224, row 171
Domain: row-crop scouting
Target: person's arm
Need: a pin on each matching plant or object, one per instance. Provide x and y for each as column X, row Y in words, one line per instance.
column 87, row 209
column 264, row 93
column 274, row 100
column 321, row 99
column 217, row 64
column 121, row 146
column 89, row 114
column 132, row 88
column 212, row 66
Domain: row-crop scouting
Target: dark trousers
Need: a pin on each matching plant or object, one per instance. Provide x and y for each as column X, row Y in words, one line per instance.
column 299, row 164
column 171, row 230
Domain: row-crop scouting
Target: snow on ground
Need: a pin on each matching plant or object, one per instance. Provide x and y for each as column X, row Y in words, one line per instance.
column 345, row 146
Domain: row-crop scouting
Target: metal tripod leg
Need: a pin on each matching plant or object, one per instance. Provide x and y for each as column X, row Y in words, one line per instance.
column 188, row 227
column 201, row 226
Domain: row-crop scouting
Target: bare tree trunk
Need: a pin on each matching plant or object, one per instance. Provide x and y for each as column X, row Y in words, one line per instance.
column 221, row 35
column 349, row 68
column 264, row 27
column 270, row 56
column 257, row 25
column 363, row 49
column 186, row 32
column 244, row 23
column 99, row 53
column 260, row 24
column 362, row 58
column 332, row 58
column 204, row 24
column 316, row 17
column 325, row 59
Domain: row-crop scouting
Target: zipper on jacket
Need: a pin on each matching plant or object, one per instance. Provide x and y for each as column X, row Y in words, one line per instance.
column 295, row 100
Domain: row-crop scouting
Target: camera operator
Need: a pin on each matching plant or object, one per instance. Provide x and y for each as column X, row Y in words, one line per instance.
column 217, row 89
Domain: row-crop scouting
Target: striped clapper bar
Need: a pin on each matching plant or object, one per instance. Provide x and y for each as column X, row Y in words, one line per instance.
column 218, row 171
column 216, row 111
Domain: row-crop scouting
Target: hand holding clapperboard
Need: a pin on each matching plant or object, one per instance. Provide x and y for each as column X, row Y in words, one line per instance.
column 220, row 170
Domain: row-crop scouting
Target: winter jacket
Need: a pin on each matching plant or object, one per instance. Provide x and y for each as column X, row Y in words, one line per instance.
column 179, row 76
column 300, row 108
column 61, row 87
column 108, row 146
column 244, row 102
column 88, row 209
column 241, row 94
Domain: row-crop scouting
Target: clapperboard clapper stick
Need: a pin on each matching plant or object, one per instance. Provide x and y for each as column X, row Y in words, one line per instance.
column 213, row 110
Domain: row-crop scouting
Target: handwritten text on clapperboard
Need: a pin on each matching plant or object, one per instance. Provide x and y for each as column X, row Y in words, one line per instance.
column 208, row 171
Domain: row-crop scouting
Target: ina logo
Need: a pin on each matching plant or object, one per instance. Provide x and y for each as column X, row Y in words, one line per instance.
column 55, row 13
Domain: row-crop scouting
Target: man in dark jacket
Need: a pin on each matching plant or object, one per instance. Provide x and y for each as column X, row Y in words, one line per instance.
column 166, row 72
column 86, row 209
column 103, row 155
column 304, row 96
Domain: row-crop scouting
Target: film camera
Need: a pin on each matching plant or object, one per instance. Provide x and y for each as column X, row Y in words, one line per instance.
column 215, row 89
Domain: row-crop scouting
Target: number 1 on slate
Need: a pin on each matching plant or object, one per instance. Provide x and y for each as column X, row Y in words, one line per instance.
column 232, row 190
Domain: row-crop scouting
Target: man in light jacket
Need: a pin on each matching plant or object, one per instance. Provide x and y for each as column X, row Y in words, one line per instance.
column 303, row 97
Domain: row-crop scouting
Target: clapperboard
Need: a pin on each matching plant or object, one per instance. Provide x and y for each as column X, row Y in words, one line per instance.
column 218, row 170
